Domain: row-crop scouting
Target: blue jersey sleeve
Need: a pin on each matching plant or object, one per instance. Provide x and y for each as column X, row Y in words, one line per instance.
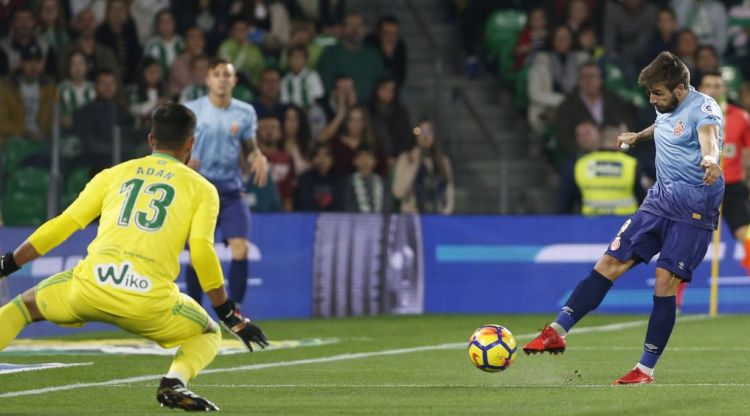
column 250, row 125
column 709, row 113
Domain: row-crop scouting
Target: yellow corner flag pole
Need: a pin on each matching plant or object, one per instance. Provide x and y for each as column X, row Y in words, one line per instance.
column 713, row 304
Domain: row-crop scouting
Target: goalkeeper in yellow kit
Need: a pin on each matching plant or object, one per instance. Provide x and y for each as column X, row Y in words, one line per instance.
column 149, row 208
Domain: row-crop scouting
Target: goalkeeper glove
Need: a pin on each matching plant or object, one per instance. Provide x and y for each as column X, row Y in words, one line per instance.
column 7, row 264
column 240, row 326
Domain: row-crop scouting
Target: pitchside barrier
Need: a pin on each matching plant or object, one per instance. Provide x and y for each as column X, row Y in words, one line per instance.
column 332, row 265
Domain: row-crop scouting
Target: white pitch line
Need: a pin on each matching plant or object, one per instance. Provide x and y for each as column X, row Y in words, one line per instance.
column 472, row 386
column 333, row 358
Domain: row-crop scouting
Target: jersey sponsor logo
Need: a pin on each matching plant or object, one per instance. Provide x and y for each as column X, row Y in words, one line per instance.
column 121, row 276
column 679, row 128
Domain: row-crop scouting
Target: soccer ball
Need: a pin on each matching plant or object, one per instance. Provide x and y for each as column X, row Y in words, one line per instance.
column 492, row 348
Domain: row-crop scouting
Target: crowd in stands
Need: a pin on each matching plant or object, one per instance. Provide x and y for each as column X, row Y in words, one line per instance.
column 574, row 64
column 326, row 91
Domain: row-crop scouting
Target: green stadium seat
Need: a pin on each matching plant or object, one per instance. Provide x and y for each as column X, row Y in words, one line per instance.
column 77, row 179
column 33, row 181
column 16, row 150
column 733, row 79
column 22, row 208
column 500, row 36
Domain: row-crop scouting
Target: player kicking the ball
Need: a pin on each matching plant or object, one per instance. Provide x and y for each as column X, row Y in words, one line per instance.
column 149, row 208
column 675, row 219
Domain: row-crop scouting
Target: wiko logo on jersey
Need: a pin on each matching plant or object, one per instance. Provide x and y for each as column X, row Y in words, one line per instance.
column 122, row 276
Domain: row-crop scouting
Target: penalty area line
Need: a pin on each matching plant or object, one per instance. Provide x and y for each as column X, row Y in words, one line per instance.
column 332, row 358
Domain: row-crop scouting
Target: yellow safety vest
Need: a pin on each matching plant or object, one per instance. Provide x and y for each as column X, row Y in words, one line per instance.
column 606, row 180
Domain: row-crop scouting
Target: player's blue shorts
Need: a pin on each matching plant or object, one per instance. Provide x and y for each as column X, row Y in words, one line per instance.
column 234, row 216
column 682, row 246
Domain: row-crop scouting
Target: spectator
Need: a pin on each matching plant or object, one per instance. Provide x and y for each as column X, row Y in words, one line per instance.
column 280, row 163
column 319, row 189
column 351, row 56
column 665, row 35
column 198, row 72
column 328, row 113
column 365, row 191
column 590, row 101
column 209, row 16
column 578, row 15
column 143, row 12
column 604, row 180
column 167, row 45
column 390, row 119
column 325, row 13
column 263, row 198
column 472, row 18
column 533, row 37
column 180, row 75
column 588, row 42
column 95, row 123
column 303, row 34
column 268, row 102
column 738, row 46
column 52, row 31
column 423, row 178
column 148, row 93
column 22, row 35
column 744, row 95
column 297, row 139
column 98, row 56
column 98, row 9
column 75, row 91
column 686, row 47
column 270, row 21
column 244, row 55
column 387, row 39
column 118, row 33
column 27, row 98
column 355, row 131
column 3, row 63
column 552, row 74
column 587, row 140
column 706, row 18
column 301, row 85
column 707, row 61
column 627, row 28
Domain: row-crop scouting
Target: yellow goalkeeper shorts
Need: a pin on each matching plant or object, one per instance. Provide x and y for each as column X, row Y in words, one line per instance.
column 59, row 300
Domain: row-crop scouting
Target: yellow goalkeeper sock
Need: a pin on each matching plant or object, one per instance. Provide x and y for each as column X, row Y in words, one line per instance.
column 194, row 355
column 13, row 318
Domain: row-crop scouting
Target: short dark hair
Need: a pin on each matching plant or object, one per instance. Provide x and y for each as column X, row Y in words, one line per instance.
column 665, row 69
column 385, row 19
column 171, row 125
column 709, row 74
column 321, row 147
column 365, row 148
column 104, row 72
column 297, row 48
column 214, row 62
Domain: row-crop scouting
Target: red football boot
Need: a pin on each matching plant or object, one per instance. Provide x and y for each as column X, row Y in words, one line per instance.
column 634, row 376
column 548, row 340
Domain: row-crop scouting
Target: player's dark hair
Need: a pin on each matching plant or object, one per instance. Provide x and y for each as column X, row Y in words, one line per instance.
column 171, row 125
column 665, row 69
column 214, row 62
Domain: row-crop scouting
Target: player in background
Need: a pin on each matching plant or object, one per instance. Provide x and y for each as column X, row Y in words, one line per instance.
column 735, row 155
column 148, row 208
column 675, row 219
column 224, row 143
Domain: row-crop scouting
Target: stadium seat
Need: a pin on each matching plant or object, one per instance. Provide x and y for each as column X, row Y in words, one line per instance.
column 33, row 181
column 74, row 183
column 18, row 150
column 22, row 208
column 733, row 79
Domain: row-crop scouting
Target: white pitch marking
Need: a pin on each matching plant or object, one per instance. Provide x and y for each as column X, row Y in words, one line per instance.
column 333, row 358
column 472, row 386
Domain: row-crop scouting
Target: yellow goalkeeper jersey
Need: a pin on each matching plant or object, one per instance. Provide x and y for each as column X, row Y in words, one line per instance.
column 149, row 207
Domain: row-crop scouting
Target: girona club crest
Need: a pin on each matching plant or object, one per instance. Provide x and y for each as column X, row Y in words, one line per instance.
column 679, row 128
column 234, row 128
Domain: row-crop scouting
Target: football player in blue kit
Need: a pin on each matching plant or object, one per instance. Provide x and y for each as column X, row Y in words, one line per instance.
column 676, row 218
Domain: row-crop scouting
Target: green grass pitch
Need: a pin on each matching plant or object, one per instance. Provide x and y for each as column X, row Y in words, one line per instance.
column 704, row 371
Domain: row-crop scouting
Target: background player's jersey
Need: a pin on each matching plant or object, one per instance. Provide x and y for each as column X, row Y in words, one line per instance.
column 149, row 207
column 217, row 140
column 679, row 192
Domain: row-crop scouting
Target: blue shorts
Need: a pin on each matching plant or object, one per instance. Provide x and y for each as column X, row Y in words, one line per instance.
column 682, row 246
column 234, row 216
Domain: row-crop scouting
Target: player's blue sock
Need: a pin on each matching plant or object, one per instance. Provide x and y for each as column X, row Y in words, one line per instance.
column 660, row 326
column 238, row 280
column 192, row 284
column 586, row 297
